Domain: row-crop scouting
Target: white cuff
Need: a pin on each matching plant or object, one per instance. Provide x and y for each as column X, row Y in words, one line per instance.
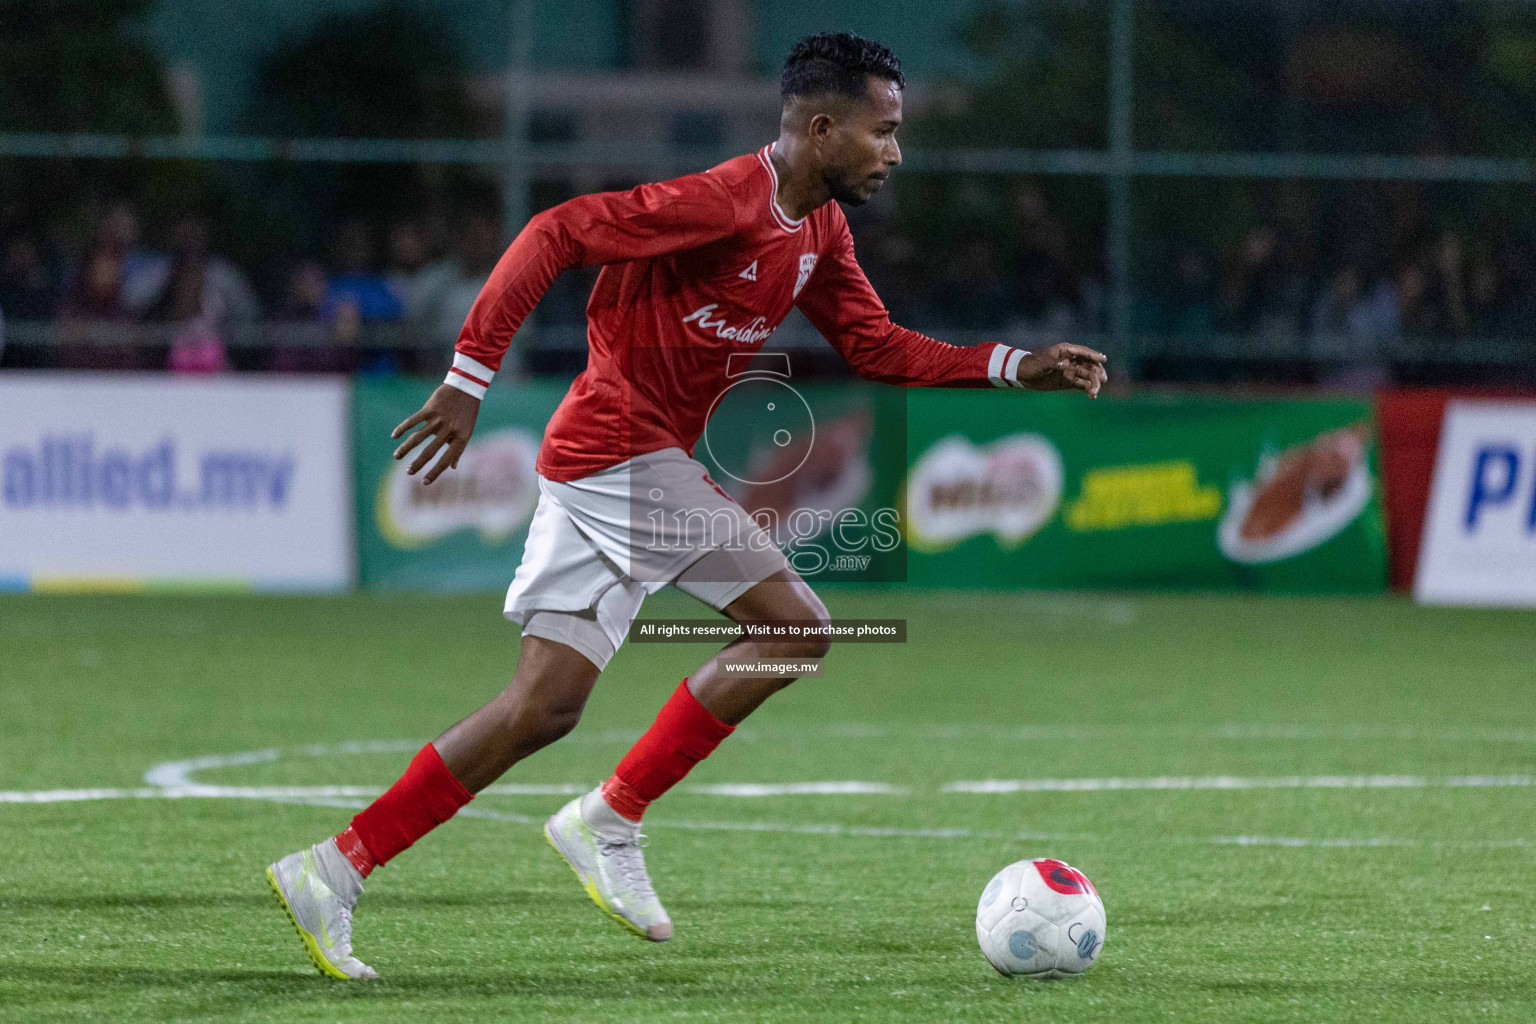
column 469, row 376
column 1003, row 366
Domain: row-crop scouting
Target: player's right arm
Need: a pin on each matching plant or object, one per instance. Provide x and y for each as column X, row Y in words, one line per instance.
column 841, row 304
column 588, row 231
column 592, row 230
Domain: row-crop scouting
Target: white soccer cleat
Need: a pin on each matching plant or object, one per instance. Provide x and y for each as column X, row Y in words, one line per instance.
column 319, row 894
column 611, row 869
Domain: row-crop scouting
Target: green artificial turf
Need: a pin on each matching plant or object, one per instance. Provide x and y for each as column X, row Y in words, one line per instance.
column 1321, row 903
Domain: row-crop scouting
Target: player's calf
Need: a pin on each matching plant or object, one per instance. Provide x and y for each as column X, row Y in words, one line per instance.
column 543, row 702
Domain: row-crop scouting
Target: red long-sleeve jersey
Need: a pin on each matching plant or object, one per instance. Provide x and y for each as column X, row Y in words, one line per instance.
column 695, row 270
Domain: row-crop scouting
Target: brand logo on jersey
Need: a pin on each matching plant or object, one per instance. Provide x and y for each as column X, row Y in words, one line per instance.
column 807, row 264
column 747, row 334
column 750, row 273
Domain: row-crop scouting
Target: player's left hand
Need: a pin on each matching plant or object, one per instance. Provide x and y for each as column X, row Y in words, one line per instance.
column 449, row 419
column 1064, row 366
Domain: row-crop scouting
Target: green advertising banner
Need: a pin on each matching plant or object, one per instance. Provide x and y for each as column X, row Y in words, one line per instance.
column 466, row 531
column 946, row 488
column 819, row 463
column 1024, row 490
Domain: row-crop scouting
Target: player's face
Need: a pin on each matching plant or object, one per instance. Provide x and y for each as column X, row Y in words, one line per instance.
column 863, row 149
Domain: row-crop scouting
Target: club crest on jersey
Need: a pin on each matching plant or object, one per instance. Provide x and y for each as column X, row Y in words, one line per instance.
column 747, row 334
column 807, row 264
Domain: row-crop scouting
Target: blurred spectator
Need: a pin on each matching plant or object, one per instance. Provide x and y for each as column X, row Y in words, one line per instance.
column 1039, row 230
column 28, row 285
column 1485, row 286
column 1180, row 303
column 1350, row 320
column 1500, row 302
column 202, row 286
column 93, row 317
column 304, row 297
column 1350, row 309
column 1432, row 291
column 973, row 291
column 356, row 284
column 1045, row 297
column 449, row 287
column 1261, row 289
column 1045, row 303
column 304, row 341
column 144, row 272
column 96, row 293
column 357, row 296
column 206, row 297
column 197, row 348
column 890, row 259
column 1188, row 308
column 1015, row 272
column 408, row 256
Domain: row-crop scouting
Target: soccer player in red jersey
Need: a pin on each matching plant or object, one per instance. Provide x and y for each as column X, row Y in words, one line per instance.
column 695, row 271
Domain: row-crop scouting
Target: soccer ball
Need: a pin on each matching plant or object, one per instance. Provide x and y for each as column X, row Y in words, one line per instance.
column 1040, row 919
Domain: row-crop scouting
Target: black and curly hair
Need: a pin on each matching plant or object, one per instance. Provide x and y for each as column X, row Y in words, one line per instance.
column 837, row 62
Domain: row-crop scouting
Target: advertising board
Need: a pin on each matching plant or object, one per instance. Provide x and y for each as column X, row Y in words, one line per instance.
column 1479, row 543
column 126, row 481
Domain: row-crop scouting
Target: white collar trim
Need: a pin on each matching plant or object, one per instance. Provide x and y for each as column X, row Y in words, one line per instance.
column 781, row 218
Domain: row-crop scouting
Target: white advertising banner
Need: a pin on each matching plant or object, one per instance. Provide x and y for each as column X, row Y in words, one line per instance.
column 1479, row 545
column 133, row 480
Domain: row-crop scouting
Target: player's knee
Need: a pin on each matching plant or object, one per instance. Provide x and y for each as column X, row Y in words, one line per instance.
column 558, row 722
column 816, row 642
column 797, row 605
column 822, row 621
column 538, row 726
column 819, row 649
column 813, row 647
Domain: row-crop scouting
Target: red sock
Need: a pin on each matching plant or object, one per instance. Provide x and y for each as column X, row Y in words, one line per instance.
column 422, row 799
column 352, row 848
column 683, row 734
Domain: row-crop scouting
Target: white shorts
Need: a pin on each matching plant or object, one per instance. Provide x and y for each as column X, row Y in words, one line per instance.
column 598, row 545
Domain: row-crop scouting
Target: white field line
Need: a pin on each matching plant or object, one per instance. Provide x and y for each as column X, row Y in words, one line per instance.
column 876, row 832
column 749, row 790
column 332, row 796
column 972, row 731
column 1185, row 782
column 1280, row 732
column 54, row 796
column 307, row 793
column 758, row 789
column 58, row 796
column 173, row 780
column 179, row 773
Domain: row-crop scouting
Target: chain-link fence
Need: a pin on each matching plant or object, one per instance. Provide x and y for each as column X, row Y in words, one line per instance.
column 1213, row 191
